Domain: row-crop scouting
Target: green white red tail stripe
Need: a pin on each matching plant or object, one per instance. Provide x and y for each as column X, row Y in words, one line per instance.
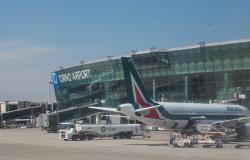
column 136, row 90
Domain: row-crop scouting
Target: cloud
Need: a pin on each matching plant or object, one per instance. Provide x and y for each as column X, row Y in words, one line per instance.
column 18, row 50
column 24, row 85
column 25, row 68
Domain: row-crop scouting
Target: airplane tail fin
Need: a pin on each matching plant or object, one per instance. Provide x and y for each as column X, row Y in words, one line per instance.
column 136, row 91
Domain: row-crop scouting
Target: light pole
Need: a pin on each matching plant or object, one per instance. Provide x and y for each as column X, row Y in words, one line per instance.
column 49, row 97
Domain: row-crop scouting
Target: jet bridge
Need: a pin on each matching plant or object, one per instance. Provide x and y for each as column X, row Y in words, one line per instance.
column 20, row 113
column 32, row 112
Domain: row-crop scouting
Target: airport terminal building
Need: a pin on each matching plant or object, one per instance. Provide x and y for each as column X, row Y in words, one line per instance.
column 206, row 72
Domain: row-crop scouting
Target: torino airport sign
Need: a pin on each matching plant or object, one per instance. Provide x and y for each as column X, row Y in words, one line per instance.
column 74, row 76
column 69, row 77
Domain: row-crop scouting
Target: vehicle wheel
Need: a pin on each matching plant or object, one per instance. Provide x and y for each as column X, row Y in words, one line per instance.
column 128, row 135
column 186, row 145
column 114, row 137
column 219, row 146
column 121, row 135
column 74, row 138
column 171, row 141
column 82, row 137
column 238, row 146
column 89, row 137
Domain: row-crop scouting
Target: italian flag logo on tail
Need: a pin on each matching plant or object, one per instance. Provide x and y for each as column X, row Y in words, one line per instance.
column 136, row 90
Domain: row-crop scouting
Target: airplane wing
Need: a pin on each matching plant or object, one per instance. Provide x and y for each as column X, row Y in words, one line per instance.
column 109, row 109
column 146, row 109
column 115, row 110
column 233, row 122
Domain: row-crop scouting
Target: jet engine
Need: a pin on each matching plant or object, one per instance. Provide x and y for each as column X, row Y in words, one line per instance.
column 243, row 130
column 126, row 109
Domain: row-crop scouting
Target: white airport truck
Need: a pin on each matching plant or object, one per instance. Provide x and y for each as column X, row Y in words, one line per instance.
column 90, row 131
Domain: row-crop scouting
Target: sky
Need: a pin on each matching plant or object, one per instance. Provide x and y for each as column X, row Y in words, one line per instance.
column 37, row 37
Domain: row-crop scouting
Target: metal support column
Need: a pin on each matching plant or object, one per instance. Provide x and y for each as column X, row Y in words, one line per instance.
column 226, row 85
column 154, row 89
column 186, row 87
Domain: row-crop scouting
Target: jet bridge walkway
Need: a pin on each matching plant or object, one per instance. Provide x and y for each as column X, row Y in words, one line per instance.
column 32, row 112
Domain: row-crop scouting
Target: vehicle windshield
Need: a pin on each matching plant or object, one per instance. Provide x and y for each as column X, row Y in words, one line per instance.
column 65, row 126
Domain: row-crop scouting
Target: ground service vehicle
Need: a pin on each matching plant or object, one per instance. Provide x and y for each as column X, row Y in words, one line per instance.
column 90, row 131
column 63, row 127
column 49, row 122
column 207, row 141
column 213, row 143
column 177, row 140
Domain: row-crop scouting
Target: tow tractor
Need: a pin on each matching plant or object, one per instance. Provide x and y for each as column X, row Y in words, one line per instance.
column 179, row 140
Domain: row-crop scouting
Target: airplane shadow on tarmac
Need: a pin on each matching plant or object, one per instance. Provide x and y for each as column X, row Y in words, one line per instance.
column 153, row 145
column 237, row 140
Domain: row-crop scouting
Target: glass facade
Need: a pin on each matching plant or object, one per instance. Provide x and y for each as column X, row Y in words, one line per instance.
column 212, row 72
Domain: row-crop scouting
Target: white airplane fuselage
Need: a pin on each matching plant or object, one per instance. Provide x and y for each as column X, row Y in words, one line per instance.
column 177, row 115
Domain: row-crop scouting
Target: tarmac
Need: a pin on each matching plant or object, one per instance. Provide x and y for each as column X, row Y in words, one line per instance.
column 32, row 144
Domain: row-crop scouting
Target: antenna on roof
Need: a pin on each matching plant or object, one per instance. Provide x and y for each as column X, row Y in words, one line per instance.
column 133, row 51
column 202, row 44
column 82, row 62
column 152, row 49
column 110, row 57
column 60, row 68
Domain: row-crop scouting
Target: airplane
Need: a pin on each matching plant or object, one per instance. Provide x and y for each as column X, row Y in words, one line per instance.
column 174, row 115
